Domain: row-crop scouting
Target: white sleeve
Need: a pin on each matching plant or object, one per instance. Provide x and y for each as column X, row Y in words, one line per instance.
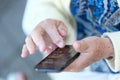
column 118, row 2
column 39, row 10
column 114, row 63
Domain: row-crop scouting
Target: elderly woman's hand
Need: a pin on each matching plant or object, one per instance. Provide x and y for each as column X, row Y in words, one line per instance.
column 92, row 49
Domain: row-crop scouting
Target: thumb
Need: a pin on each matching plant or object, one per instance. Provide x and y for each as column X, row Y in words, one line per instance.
column 80, row 46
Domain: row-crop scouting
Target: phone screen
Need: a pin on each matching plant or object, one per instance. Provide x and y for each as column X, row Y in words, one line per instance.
column 57, row 60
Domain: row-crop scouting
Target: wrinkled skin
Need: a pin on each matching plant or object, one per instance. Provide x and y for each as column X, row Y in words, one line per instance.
column 92, row 49
column 50, row 34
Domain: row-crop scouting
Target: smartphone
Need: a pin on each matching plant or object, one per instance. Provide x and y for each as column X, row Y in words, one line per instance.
column 58, row 60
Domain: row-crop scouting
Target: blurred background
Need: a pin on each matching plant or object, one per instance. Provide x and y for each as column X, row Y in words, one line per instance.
column 11, row 41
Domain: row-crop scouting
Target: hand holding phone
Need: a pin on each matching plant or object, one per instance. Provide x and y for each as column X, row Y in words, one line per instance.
column 58, row 60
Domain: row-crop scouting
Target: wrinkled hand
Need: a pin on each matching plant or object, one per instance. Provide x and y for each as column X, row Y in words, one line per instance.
column 47, row 36
column 92, row 49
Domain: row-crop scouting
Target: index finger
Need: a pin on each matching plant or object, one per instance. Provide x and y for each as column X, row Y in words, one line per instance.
column 57, row 39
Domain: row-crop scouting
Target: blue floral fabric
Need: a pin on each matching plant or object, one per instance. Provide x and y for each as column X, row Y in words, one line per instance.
column 93, row 18
column 93, row 15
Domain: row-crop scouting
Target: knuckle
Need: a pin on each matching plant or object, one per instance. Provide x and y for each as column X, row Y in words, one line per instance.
column 42, row 32
column 46, row 23
column 49, row 22
column 60, row 23
column 62, row 27
column 38, row 31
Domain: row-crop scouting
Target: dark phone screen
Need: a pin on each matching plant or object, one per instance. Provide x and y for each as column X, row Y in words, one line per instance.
column 57, row 60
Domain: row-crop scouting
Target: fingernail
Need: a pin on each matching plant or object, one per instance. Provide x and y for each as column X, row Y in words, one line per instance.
column 61, row 44
column 41, row 49
column 31, row 53
column 23, row 56
column 47, row 52
column 50, row 47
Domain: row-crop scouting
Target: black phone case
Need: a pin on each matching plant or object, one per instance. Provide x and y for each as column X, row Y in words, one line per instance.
column 57, row 60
